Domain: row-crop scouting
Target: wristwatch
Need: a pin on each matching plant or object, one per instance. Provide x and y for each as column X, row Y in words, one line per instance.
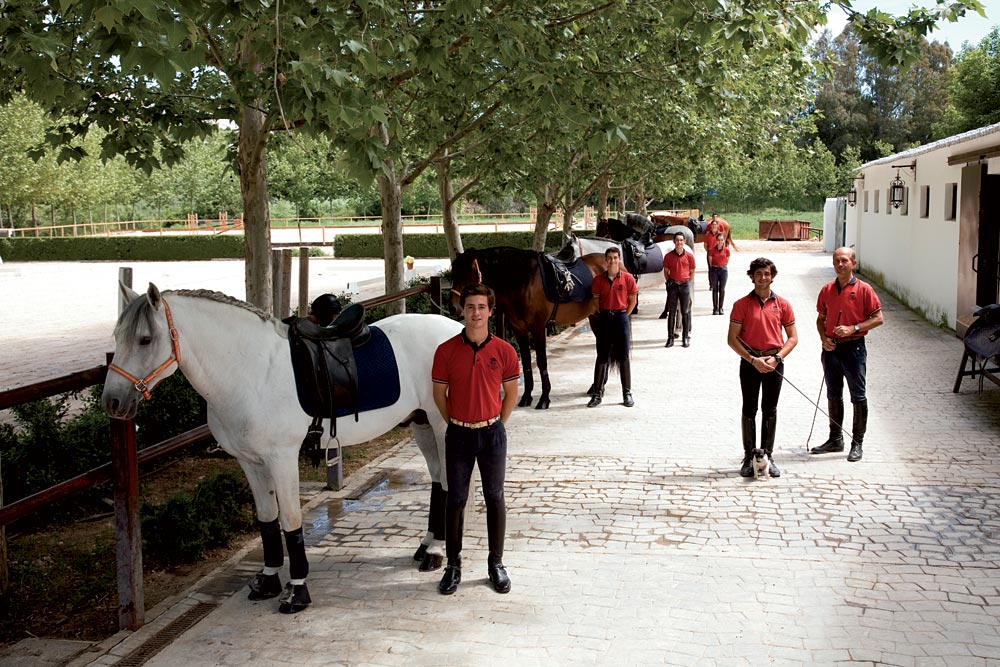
column 857, row 329
column 777, row 355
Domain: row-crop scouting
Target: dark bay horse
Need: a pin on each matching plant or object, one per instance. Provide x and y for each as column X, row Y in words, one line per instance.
column 630, row 226
column 516, row 279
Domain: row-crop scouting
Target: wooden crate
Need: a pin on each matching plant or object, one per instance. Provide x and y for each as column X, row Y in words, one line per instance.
column 783, row 230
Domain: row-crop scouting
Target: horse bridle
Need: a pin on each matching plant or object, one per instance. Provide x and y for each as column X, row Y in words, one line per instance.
column 142, row 385
column 479, row 277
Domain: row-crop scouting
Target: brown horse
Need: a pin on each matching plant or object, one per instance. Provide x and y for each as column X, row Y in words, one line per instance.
column 516, row 279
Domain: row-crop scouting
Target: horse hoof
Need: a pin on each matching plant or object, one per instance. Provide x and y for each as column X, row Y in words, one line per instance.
column 294, row 599
column 264, row 586
column 525, row 401
column 421, row 553
column 543, row 404
column 431, row 562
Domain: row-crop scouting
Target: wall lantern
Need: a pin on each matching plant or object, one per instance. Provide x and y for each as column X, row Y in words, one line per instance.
column 896, row 188
column 852, row 197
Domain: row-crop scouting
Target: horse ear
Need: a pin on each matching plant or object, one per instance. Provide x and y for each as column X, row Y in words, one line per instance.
column 153, row 296
column 128, row 294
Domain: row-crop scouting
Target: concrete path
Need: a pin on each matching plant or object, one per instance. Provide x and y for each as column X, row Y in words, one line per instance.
column 633, row 540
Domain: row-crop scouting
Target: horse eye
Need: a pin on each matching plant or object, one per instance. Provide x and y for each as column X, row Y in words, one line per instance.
column 145, row 340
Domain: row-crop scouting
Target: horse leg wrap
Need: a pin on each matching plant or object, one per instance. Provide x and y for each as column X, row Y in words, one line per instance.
column 270, row 536
column 298, row 566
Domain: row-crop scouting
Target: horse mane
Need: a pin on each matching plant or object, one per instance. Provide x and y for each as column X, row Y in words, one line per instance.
column 139, row 311
column 505, row 269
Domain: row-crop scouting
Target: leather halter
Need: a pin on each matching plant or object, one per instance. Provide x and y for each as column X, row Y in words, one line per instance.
column 142, row 385
column 479, row 277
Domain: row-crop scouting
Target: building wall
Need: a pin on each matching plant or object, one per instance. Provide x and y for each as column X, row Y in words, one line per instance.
column 914, row 256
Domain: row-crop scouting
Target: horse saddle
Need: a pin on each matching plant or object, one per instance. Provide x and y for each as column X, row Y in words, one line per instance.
column 636, row 258
column 564, row 282
column 983, row 335
column 326, row 373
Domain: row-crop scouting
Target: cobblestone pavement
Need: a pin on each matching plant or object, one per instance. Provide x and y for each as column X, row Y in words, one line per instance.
column 634, row 541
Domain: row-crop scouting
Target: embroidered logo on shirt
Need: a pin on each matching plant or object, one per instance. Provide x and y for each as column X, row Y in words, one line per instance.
column 494, row 364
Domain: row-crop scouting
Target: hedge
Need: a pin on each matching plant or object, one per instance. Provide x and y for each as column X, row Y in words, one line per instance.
column 435, row 245
column 137, row 248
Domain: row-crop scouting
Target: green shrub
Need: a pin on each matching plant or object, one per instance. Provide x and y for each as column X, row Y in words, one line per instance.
column 137, row 248
column 182, row 528
column 435, row 245
column 175, row 407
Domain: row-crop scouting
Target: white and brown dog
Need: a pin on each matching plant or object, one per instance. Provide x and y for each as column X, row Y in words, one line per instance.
column 760, row 463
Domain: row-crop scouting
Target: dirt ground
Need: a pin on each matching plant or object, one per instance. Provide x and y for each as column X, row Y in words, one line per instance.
column 62, row 579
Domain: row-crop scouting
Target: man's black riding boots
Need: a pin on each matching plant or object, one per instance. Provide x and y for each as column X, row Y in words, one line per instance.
column 749, row 427
column 454, row 525
column 767, row 443
column 600, row 378
column 860, row 426
column 496, row 529
column 835, row 443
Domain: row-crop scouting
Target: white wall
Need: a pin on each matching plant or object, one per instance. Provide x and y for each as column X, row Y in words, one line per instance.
column 916, row 257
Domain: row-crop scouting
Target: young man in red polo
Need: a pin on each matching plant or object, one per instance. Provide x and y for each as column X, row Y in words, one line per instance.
column 756, row 323
column 469, row 371
column 678, row 270
column 616, row 294
column 848, row 310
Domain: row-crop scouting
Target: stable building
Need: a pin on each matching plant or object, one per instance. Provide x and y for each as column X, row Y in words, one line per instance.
column 925, row 223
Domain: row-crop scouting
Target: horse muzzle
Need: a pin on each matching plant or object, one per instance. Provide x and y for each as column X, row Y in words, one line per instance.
column 117, row 407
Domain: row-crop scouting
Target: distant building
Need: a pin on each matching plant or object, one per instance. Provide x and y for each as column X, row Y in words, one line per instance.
column 940, row 248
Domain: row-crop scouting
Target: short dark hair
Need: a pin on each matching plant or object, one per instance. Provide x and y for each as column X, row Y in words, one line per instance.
column 612, row 250
column 680, row 234
column 762, row 263
column 478, row 289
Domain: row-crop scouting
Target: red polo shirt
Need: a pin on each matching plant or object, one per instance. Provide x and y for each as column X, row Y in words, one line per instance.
column 763, row 322
column 680, row 266
column 709, row 240
column 474, row 375
column 850, row 305
column 613, row 294
column 718, row 257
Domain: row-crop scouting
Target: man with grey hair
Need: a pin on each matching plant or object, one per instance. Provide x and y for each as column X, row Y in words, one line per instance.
column 848, row 309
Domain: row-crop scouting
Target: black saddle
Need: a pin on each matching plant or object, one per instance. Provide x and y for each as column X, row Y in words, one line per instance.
column 326, row 374
column 561, row 269
column 636, row 256
column 983, row 335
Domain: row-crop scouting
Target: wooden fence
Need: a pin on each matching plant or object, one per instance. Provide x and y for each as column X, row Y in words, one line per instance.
column 123, row 470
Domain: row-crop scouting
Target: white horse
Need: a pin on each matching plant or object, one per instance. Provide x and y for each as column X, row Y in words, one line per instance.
column 237, row 357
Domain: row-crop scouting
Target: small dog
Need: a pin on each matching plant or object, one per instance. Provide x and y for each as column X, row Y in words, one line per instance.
column 760, row 463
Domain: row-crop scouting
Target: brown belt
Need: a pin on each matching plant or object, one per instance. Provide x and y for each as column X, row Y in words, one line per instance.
column 761, row 353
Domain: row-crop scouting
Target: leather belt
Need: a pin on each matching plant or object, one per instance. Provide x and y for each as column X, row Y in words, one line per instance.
column 762, row 353
column 482, row 424
column 616, row 312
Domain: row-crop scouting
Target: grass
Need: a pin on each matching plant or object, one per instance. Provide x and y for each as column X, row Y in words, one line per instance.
column 744, row 225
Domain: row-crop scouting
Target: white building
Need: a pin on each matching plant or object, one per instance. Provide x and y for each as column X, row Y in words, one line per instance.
column 940, row 249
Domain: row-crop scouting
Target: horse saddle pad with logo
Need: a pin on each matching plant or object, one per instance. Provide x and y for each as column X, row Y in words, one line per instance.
column 339, row 375
column 565, row 283
column 641, row 259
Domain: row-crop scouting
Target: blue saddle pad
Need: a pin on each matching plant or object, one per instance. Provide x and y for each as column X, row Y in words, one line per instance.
column 579, row 283
column 378, row 374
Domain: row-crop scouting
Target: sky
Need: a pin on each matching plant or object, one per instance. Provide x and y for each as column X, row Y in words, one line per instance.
column 972, row 27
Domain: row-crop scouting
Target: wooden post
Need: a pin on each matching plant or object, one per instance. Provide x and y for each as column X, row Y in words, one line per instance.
column 128, row 537
column 303, row 281
column 125, row 278
column 286, row 283
column 276, row 282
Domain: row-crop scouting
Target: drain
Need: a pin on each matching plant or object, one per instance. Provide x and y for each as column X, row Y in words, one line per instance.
column 162, row 639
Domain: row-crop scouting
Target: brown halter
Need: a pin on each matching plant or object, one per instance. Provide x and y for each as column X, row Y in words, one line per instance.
column 175, row 357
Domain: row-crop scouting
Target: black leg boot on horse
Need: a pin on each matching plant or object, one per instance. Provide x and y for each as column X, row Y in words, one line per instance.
column 749, row 427
column 455, row 523
column 295, row 597
column 835, row 443
column 496, row 530
column 597, row 389
column 266, row 584
column 767, row 428
column 860, row 426
column 436, row 527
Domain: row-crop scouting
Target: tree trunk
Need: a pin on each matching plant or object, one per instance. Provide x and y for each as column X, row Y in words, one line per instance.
column 256, row 214
column 641, row 201
column 4, row 571
column 603, row 191
column 546, row 207
column 448, row 217
column 34, row 218
column 390, row 195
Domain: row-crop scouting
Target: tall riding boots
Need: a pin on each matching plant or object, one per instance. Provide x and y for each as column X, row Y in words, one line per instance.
column 835, row 443
column 749, row 428
column 860, row 426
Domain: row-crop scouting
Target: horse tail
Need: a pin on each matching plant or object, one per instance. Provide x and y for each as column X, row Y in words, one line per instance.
column 729, row 239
